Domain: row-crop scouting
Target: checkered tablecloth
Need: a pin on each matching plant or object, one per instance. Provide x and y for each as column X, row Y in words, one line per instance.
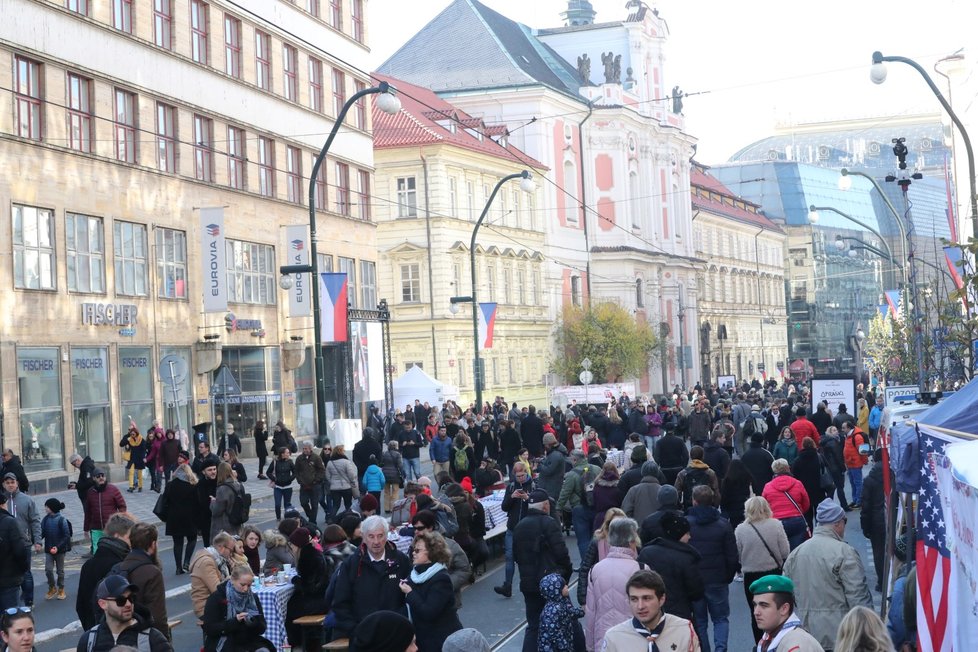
column 617, row 456
column 273, row 602
column 495, row 516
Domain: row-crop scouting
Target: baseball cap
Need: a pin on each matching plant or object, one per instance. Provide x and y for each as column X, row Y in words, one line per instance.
column 9, row 476
column 113, row 586
column 539, row 496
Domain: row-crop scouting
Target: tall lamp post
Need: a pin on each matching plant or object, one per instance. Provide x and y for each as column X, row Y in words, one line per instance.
column 526, row 185
column 878, row 75
column 388, row 103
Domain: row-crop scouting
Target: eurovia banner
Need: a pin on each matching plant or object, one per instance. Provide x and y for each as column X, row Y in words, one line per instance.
column 834, row 390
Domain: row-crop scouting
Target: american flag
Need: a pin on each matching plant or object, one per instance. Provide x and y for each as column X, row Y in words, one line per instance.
column 933, row 556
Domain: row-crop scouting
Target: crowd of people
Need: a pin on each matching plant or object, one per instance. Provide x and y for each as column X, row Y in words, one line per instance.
column 669, row 502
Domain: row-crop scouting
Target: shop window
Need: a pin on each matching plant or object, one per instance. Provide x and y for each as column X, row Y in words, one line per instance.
column 136, row 374
column 41, row 416
column 90, row 413
column 179, row 410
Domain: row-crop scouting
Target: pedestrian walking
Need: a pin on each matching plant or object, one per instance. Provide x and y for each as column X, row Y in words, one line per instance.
column 310, row 472
column 713, row 538
column 141, row 568
column 56, row 533
column 86, row 477
column 281, row 475
column 559, row 619
column 789, row 501
column 180, row 498
column 678, row 563
column 762, row 547
column 872, row 516
column 121, row 625
column 341, row 474
column 112, row 549
column 223, row 514
column 390, row 465
column 260, row 433
column 606, row 604
column 856, row 454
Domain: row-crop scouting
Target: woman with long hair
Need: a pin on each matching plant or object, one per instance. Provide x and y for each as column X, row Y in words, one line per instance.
column 734, row 492
column 762, row 546
column 231, row 458
column 17, row 630
column 227, row 489
column 861, row 630
column 596, row 551
column 786, row 446
column 606, row 493
column 181, row 515
column 808, row 469
column 251, row 538
column 428, row 592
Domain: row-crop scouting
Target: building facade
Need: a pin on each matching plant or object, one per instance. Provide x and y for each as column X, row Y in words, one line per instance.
column 123, row 120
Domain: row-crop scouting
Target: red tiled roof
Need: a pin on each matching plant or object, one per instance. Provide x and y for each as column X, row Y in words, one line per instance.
column 418, row 124
column 700, row 178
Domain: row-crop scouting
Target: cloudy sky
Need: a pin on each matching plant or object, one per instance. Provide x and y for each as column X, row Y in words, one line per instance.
column 761, row 63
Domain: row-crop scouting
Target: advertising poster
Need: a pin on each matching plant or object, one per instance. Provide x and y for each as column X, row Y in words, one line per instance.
column 834, row 390
column 725, row 383
column 367, row 350
column 213, row 260
column 603, row 393
column 300, row 296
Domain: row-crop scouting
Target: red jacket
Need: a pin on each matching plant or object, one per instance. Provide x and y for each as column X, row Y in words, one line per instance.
column 850, row 451
column 802, row 428
column 781, row 507
column 101, row 505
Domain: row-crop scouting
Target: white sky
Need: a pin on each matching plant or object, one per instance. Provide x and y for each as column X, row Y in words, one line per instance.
column 763, row 62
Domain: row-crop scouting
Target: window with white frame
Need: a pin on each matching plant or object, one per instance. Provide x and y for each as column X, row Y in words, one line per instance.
column 324, row 263
column 232, row 46
column 166, row 137
column 162, row 24
column 131, row 264
column 342, row 188
column 80, row 113
column 199, row 24
column 122, row 15
column 457, row 277
column 171, row 263
column 531, row 213
column 570, row 191
column 348, row 266
column 491, row 282
column 511, row 367
column 470, row 198
column 237, row 160
column 290, row 69
column 263, row 60
column 453, row 196
column 85, row 248
column 33, row 236
column 266, row 166
column 203, row 148
column 368, row 284
column 495, row 371
column 315, row 84
column 251, row 273
column 27, row 94
column 293, row 174
column 312, row 6
column 521, row 286
column 516, row 209
column 407, row 197
column 507, row 285
column 125, row 126
column 410, row 283
column 537, row 288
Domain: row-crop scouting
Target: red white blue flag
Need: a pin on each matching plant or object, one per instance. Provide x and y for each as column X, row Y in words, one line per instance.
column 333, row 287
column 933, row 556
column 893, row 300
column 487, row 324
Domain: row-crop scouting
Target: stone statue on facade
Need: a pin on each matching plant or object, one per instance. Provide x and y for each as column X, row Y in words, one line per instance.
column 608, row 59
column 584, row 68
column 616, row 69
column 677, row 100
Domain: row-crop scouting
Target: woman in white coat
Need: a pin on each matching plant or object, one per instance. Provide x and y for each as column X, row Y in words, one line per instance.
column 607, row 603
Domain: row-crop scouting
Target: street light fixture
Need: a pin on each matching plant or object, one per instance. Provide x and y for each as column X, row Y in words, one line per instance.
column 388, row 102
column 813, row 218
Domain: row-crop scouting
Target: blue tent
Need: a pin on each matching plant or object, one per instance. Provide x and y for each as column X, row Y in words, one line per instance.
column 958, row 412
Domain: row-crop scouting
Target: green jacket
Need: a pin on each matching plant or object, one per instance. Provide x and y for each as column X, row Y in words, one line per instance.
column 572, row 490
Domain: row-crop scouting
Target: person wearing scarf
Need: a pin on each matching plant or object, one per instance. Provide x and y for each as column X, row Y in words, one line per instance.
column 428, row 592
column 774, row 612
column 650, row 629
column 233, row 617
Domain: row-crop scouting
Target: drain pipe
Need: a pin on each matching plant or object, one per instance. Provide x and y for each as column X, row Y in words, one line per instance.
column 587, row 244
column 431, row 281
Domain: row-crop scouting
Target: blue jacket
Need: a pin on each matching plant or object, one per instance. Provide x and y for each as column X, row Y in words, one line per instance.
column 54, row 530
column 373, row 478
column 713, row 537
column 440, row 449
column 875, row 416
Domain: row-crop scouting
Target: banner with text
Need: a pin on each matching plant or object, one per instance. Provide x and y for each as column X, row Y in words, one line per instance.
column 603, row 393
column 213, row 257
column 297, row 246
column 834, row 390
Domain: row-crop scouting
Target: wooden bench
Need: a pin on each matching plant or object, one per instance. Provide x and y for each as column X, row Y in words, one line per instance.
column 311, row 622
column 340, row 644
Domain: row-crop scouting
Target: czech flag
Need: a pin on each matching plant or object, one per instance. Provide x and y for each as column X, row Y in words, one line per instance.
column 893, row 299
column 954, row 258
column 487, row 324
column 333, row 287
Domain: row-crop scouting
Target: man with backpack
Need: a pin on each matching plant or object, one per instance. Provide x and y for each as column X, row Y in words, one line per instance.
column 856, row 455
column 755, row 422
column 577, row 497
column 695, row 474
column 121, row 624
column 141, row 570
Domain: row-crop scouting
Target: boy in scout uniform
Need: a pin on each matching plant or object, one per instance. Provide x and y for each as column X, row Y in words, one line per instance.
column 774, row 613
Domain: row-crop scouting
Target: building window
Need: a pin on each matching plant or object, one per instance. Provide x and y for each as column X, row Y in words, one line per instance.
column 356, row 16
column 411, row 283
column 203, row 148
column 348, row 266
column 84, row 242
column 575, row 290
column 312, row 6
column 198, row 31
column 537, row 285
column 266, row 166
column 125, row 126
column 79, row 113
column 570, row 191
column 368, row 284
column 232, row 46
column 457, row 277
column 290, row 67
column 502, row 208
column 507, row 285
column 470, row 198
column 41, row 410
column 27, row 92
column 491, row 282
column 91, row 412
column 33, row 234
column 336, row 14
column 237, row 163
column 122, row 15
column 639, row 293
column 516, row 208
column 407, row 197
column 339, row 91
column 162, row 23
column 321, row 194
column 363, row 187
column 77, row 6
column 129, row 247
column 453, row 196
column 171, row 263
column 263, row 60
column 521, row 287
column 342, row 188
column 293, row 174
column 495, row 371
column 511, row 367
column 251, row 273
column 315, row 84
column 324, row 263
column 530, row 211
column 166, row 137
column 360, row 108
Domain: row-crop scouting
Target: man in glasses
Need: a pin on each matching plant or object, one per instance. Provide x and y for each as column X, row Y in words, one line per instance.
column 121, row 625
column 103, row 500
column 112, row 549
column 14, row 557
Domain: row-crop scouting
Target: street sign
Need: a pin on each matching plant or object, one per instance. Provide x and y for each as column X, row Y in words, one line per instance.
column 586, row 377
column 173, row 369
column 586, row 364
column 225, row 384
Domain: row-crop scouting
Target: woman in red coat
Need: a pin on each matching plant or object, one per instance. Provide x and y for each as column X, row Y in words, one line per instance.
column 789, row 501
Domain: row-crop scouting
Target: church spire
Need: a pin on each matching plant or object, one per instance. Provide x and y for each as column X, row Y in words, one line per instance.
column 579, row 12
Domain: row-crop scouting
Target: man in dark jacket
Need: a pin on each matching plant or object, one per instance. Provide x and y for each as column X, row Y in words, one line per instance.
column 668, row 504
column 86, row 476
column 102, row 501
column 141, row 566
column 550, row 472
column 872, row 518
column 672, row 456
column 369, row 579
column 532, row 433
column 121, row 626
column 636, row 420
column 368, row 445
column 516, row 505
column 634, row 475
column 758, row 461
column 678, row 563
column 15, row 559
column 310, row 473
column 410, row 442
column 539, row 549
column 112, row 549
column 831, row 447
column 842, row 416
column 203, row 459
column 11, row 464
column 699, row 423
column 715, row 453
column 713, row 538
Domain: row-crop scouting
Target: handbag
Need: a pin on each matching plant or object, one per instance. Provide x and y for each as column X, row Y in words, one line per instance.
column 808, row 530
column 160, row 509
column 777, row 564
column 825, row 479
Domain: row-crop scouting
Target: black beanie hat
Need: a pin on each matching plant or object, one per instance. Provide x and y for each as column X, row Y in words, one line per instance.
column 382, row 631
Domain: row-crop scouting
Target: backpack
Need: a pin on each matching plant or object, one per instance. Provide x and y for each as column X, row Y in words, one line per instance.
column 448, row 521
column 461, row 459
column 755, row 425
column 401, row 511
column 693, row 479
column 71, row 533
column 587, row 486
column 240, row 507
column 142, row 640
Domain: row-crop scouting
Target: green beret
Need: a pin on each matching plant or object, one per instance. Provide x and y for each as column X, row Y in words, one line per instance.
column 772, row 584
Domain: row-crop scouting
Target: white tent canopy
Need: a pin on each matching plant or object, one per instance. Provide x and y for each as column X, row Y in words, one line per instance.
column 416, row 384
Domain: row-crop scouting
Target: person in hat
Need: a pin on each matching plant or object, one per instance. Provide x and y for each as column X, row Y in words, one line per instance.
column 56, row 532
column 14, row 557
column 829, row 574
column 647, row 596
column 384, row 631
column 466, row 640
column 537, row 532
column 102, row 501
column 112, row 549
column 206, row 493
column 551, row 469
column 121, row 625
column 678, row 563
column 774, row 613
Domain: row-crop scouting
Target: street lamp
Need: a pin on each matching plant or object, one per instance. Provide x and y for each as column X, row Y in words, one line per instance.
column 877, row 73
column 388, row 102
column 526, row 185
column 813, row 218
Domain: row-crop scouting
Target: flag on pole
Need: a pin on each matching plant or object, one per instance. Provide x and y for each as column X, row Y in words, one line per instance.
column 954, row 255
column 487, row 324
column 884, row 309
column 333, row 287
column 933, row 556
column 893, row 300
